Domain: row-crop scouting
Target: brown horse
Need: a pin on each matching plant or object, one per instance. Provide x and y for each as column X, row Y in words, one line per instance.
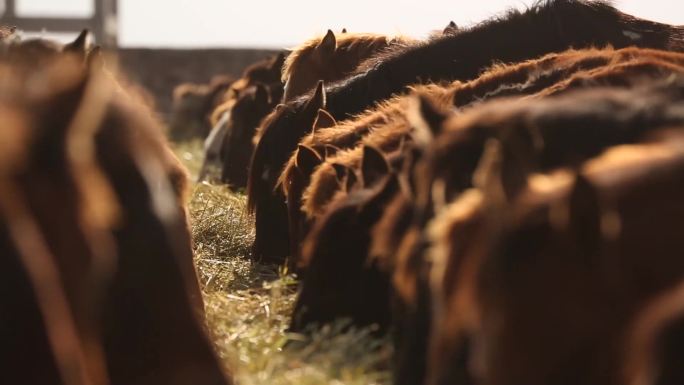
column 113, row 218
column 331, row 58
column 549, row 27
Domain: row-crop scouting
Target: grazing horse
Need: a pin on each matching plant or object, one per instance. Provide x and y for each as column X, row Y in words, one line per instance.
column 82, row 256
column 240, row 123
column 332, row 287
column 331, row 58
column 230, row 140
column 193, row 105
column 548, row 27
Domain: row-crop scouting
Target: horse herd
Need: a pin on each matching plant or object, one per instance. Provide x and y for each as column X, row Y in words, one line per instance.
column 504, row 200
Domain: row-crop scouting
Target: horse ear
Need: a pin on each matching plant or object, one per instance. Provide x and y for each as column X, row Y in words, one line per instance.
column 340, row 171
column 344, row 30
column 323, row 120
column 317, row 100
column 80, row 44
column 584, row 216
column 261, row 94
column 450, row 28
column 327, row 45
column 307, row 159
column 277, row 63
column 426, row 119
column 351, row 180
column 330, row 150
column 94, row 58
column 373, row 165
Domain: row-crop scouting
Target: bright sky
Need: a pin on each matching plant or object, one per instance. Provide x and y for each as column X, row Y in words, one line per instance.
column 284, row 23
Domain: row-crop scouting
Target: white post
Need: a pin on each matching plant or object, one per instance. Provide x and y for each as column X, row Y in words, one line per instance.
column 9, row 9
column 106, row 23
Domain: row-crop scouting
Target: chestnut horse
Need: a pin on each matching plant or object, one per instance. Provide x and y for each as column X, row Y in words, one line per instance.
column 331, row 58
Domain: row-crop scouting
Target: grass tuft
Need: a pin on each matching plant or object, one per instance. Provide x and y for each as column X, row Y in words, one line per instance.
column 248, row 304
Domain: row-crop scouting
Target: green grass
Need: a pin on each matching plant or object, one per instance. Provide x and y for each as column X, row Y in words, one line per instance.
column 248, row 304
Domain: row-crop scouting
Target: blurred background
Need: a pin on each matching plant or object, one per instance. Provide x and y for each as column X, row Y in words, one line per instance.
column 194, row 40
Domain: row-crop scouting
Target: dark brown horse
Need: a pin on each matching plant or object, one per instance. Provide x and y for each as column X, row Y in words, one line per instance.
column 332, row 286
column 241, row 122
column 235, row 120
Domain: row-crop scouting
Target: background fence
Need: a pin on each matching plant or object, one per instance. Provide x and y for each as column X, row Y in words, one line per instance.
column 158, row 70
